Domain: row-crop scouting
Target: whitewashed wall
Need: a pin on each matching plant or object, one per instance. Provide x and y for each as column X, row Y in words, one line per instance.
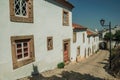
column 47, row 22
column 79, row 42
column 93, row 45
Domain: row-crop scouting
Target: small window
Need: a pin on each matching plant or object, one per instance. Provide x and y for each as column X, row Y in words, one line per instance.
column 65, row 18
column 83, row 38
column 21, row 10
column 74, row 37
column 49, row 43
column 22, row 50
column 89, row 40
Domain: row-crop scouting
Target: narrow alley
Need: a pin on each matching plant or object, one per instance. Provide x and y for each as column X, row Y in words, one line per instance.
column 93, row 68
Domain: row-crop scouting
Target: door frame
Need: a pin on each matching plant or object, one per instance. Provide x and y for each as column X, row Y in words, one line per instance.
column 78, row 56
column 66, row 41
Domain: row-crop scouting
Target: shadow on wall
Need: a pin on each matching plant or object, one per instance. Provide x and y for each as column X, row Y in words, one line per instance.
column 65, row 75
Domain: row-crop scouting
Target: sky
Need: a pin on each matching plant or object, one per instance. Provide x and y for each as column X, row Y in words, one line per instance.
column 89, row 12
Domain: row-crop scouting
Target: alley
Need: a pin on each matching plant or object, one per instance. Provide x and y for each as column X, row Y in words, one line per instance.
column 95, row 65
column 93, row 68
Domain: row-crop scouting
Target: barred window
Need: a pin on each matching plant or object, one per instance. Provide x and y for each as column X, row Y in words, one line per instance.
column 21, row 10
column 21, row 7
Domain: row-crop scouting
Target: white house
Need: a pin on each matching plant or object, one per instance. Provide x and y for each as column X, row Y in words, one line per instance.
column 79, row 42
column 85, row 42
column 34, row 32
column 93, row 42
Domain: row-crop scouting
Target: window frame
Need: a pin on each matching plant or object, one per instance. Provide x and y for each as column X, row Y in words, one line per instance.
column 51, row 39
column 88, row 40
column 19, row 63
column 22, row 49
column 74, row 37
column 18, row 18
column 83, row 37
column 66, row 21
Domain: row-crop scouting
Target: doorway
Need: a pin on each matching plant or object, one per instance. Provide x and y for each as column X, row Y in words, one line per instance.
column 78, row 54
column 66, row 51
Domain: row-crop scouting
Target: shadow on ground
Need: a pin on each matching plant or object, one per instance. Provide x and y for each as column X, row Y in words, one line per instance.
column 65, row 75
column 106, row 67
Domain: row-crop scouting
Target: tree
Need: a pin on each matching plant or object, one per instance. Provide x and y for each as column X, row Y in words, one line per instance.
column 107, row 36
column 117, row 37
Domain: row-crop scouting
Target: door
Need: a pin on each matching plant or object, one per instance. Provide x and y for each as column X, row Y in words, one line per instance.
column 85, row 52
column 88, row 51
column 78, row 54
column 66, row 50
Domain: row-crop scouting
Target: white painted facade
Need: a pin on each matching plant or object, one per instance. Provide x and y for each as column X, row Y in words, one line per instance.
column 47, row 22
column 79, row 43
column 83, row 48
column 81, row 32
column 93, row 45
column 90, row 45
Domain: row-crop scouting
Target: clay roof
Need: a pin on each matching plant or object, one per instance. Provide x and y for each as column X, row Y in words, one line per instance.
column 91, row 33
column 79, row 27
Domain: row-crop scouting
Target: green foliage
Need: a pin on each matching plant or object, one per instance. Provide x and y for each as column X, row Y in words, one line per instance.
column 107, row 36
column 61, row 65
column 96, row 51
column 115, row 63
column 117, row 35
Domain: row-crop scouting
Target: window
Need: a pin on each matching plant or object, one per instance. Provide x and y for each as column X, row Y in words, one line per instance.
column 74, row 37
column 65, row 18
column 49, row 43
column 22, row 50
column 21, row 10
column 83, row 37
column 89, row 40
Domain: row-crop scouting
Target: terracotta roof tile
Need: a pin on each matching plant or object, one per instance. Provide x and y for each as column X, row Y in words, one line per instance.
column 79, row 27
column 89, row 32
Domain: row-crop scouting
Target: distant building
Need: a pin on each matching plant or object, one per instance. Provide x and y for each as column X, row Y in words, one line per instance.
column 85, row 42
column 93, row 41
column 79, row 42
column 113, row 30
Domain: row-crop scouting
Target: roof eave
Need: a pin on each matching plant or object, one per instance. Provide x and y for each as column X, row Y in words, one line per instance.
column 65, row 3
column 77, row 29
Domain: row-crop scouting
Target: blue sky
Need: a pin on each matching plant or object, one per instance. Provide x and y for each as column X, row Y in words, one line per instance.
column 89, row 12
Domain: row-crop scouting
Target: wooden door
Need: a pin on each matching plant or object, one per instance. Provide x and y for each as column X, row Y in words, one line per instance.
column 66, row 51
